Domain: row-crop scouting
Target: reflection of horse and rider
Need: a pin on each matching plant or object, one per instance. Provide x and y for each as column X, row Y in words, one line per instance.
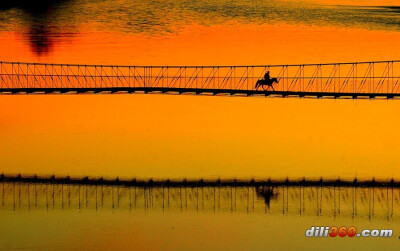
column 266, row 81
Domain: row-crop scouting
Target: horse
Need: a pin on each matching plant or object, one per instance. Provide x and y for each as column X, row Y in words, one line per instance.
column 267, row 82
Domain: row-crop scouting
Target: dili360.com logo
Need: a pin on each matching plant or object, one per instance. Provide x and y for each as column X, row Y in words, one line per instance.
column 344, row 231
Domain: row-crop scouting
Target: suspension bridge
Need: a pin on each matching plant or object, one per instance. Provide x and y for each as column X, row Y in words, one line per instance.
column 375, row 79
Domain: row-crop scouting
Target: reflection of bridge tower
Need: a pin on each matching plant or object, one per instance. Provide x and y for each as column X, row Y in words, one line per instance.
column 320, row 200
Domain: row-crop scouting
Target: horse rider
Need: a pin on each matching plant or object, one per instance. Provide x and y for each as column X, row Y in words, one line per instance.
column 266, row 76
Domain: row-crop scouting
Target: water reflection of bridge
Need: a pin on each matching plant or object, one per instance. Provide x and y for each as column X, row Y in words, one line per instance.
column 336, row 80
column 370, row 199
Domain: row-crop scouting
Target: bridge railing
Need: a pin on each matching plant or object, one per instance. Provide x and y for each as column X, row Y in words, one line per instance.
column 357, row 77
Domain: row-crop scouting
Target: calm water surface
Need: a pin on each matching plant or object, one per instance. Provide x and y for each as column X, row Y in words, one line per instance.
column 45, row 216
column 161, row 137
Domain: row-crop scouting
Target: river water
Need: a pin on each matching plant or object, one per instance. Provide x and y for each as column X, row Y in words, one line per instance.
column 177, row 137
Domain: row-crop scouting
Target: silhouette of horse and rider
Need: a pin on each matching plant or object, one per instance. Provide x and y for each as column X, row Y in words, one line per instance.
column 266, row 81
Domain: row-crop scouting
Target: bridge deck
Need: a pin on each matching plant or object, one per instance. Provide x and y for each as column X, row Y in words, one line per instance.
column 197, row 91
